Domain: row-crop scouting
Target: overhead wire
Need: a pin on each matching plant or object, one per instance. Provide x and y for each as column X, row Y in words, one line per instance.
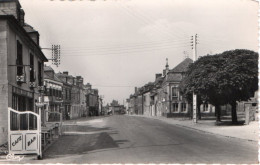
column 127, row 45
column 145, row 21
column 146, row 17
column 125, row 48
column 122, row 52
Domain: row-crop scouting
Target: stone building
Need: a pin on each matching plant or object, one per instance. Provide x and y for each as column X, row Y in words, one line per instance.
column 82, row 96
column 22, row 61
column 66, row 91
column 175, row 103
column 92, row 101
column 53, row 97
column 147, row 99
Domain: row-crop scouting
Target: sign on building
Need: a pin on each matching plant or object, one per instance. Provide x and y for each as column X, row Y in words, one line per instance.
column 24, row 132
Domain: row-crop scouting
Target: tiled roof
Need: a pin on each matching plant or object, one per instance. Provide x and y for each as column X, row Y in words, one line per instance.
column 158, row 81
column 28, row 28
column 174, row 77
column 176, row 73
column 183, row 66
column 48, row 68
column 56, row 78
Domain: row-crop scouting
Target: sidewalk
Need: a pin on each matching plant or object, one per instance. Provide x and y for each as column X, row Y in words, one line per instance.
column 247, row 132
column 74, row 121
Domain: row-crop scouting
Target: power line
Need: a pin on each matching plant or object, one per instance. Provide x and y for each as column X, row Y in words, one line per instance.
column 127, row 48
column 121, row 52
column 144, row 20
column 145, row 16
column 129, row 45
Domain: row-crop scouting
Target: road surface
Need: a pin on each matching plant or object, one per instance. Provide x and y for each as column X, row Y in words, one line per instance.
column 132, row 139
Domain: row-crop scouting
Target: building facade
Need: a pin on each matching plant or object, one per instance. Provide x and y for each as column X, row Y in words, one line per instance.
column 66, row 92
column 53, row 97
column 92, row 101
column 22, row 61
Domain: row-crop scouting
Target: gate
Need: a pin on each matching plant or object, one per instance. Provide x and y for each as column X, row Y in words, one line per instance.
column 24, row 132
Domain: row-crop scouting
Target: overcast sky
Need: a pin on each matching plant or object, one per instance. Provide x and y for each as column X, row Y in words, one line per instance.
column 119, row 44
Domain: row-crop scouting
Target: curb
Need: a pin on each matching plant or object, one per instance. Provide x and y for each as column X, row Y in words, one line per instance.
column 192, row 128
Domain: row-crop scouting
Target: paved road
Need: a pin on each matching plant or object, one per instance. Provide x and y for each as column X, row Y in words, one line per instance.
column 129, row 139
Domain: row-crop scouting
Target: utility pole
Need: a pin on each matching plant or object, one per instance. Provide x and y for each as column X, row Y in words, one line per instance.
column 194, row 48
column 55, row 54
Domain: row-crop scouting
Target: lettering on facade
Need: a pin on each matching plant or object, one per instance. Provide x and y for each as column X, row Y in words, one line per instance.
column 31, row 141
column 17, row 141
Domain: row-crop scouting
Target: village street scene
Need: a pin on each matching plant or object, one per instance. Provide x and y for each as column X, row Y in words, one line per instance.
column 129, row 81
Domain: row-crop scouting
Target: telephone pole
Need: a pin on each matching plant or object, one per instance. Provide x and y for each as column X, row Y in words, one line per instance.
column 194, row 48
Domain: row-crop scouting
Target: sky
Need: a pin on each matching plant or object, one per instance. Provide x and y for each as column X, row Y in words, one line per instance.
column 117, row 45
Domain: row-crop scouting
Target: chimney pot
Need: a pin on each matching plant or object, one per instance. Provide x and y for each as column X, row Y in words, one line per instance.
column 66, row 72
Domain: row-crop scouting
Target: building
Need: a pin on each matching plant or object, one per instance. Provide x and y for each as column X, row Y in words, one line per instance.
column 156, row 102
column 92, row 101
column 175, row 104
column 162, row 97
column 116, row 108
column 147, row 101
column 67, row 82
column 53, row 97
column 75, row 100
column 22, row 61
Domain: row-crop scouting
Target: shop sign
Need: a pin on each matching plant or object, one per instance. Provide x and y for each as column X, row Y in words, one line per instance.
column 31, row 142
column 16, row 143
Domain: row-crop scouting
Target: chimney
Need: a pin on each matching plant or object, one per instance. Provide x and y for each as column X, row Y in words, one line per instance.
column 79, row 81
column 35, row 37
column 135, row 89
column 11, row 7
column 66, row 72
column 22, row 17
column 88, row 85
column 158, row 75
column 166, row 66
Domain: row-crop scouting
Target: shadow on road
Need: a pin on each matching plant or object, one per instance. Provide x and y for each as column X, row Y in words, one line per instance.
column 77, row 143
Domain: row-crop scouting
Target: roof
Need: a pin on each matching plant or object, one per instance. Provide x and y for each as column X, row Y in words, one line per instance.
column 15, row 23
column 176, row 73
column 17, row 1
column 48, row 68
column 29, row 29
column 61, row 76
column 183, row 66
column 46, row 76
column 174, row 77
column 56, row 78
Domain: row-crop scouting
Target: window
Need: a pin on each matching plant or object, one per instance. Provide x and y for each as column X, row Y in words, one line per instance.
column 56, row 93
column 32, row 79
column 19, row 60
column 51, row 91
column 175, row 107
column 183, row 107
column 60, row 94
column 39, row 73
column 174, row 92
column 205, row 107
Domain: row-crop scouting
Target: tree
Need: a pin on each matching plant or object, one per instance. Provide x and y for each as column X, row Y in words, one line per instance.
column 223, row 78
column 189, row 97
